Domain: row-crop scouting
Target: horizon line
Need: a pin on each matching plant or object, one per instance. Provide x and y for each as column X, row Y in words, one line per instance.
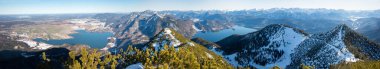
column 126, row 12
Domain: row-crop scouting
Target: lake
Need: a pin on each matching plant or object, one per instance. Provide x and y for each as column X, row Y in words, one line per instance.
column 93, row 39
column 219, row 35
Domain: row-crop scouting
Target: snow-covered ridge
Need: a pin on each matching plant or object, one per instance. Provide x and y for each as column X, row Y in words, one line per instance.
column 154, row 17
column 324, row 49
column 165, row 37
column 291, row 39
column 284, row 40
column 196, row 28
column 287, row 47
column 337, row 48
column 266, row 48
column 343, row 52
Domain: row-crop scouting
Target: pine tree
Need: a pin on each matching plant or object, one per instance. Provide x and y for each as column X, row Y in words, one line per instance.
column 306, row 67
column 45, row 64
column 113, row 65
column 165, row 66
column 84, row 58
column 92, row 60
column 72, row 62
column 44, row 56
column 147, row 63
column 276, row 67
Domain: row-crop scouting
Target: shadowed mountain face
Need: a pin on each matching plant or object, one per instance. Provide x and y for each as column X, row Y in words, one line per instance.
column 15, row 59
column 369, row 27
column 288, row 47
column 205, row 43
column 9, row 43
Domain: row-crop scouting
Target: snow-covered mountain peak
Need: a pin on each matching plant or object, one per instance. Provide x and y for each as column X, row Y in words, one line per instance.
column 267, row 47
column 276, row 29
column 288, row 47
column 281, row 43
column 329, row 48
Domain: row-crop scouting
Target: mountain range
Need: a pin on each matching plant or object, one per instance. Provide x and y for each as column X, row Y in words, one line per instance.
column 289, row 47
column 136, row 28
column 274, row 45
column 286, row 38
column 279, row 45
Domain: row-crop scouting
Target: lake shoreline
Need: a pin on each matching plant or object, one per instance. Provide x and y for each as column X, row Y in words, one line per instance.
column 215, row 36
column 93, row 39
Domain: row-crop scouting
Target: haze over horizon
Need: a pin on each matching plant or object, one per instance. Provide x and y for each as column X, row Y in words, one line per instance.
column 124, row 6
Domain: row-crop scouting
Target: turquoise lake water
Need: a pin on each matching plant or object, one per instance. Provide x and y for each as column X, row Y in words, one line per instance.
column 99, row 40
column 93, row 39
column 216, row 36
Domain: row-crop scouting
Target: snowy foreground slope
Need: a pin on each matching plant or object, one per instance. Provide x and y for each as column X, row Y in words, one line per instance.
column 288, row 47
column 135, row 66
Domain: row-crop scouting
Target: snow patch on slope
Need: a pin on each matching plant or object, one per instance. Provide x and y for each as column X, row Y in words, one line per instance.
column 111, row 43
column 196, row 28
column 288, row 40
column 209, row 55
column 36, row 45
column 229, row 58
column 195, row 20
column 343, row 53
column 333, row 52
column 191, row 43
column 166, row 37
column 135, row 66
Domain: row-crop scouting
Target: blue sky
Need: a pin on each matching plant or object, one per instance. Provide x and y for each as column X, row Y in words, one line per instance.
column 122, row 6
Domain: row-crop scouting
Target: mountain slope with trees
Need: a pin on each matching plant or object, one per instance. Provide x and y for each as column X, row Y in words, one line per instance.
column 270, row 45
